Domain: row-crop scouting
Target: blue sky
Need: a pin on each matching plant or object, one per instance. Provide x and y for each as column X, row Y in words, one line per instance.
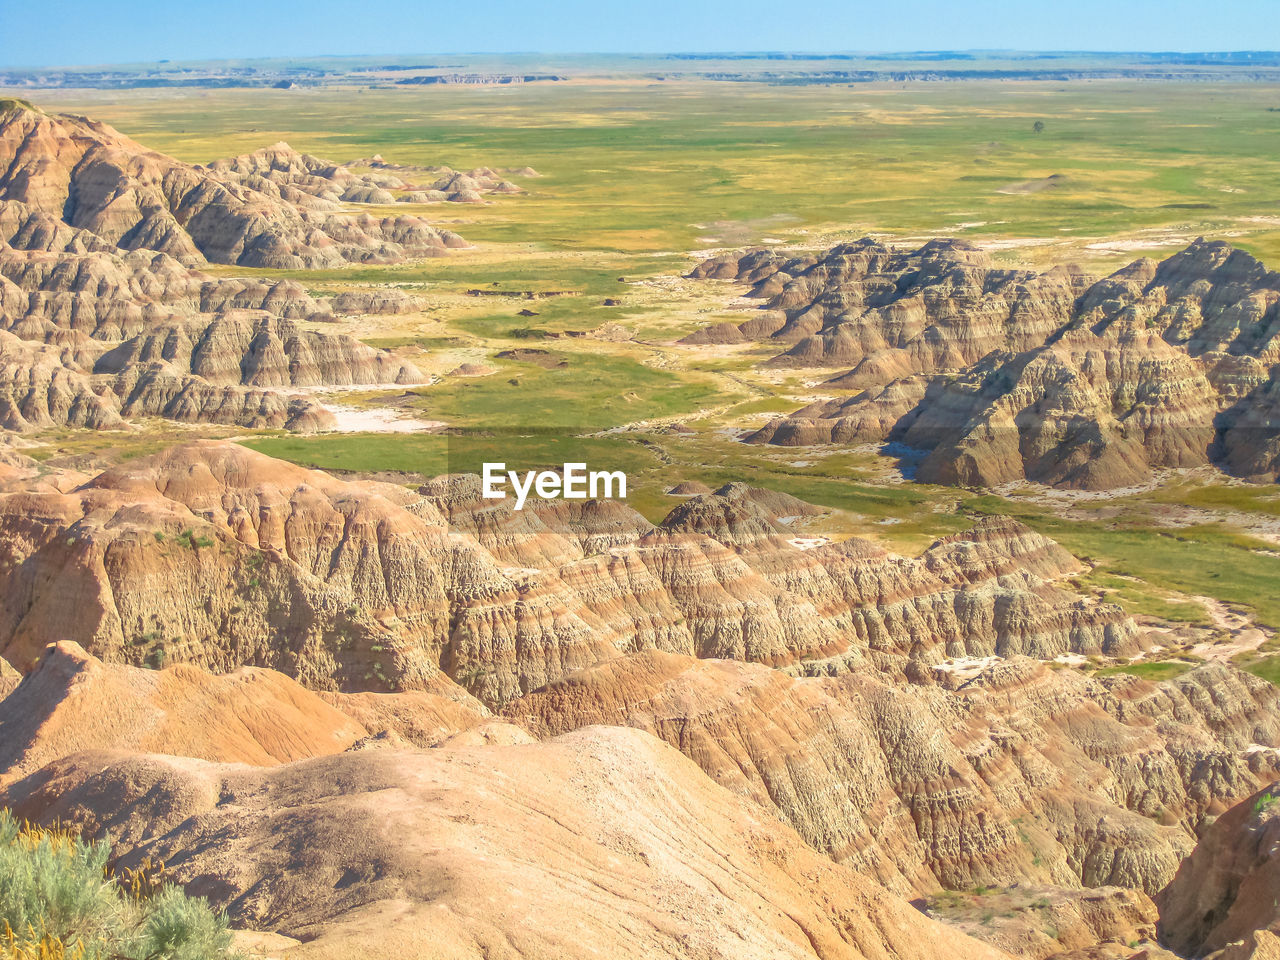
column 65, row 32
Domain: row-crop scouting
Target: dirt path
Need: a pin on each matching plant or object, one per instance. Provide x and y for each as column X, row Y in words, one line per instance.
column 1244, row 635
column 378, row 420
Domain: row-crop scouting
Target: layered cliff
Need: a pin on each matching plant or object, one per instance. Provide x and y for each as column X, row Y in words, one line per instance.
column 386, row 588
column 1024, row 774
column 109, row 322
column 44, row 386
column 1226, row 891
column 889, row 313
column 1005, row 377
column 94, row 339
column 85, row 174
column 260, row 351
column 109, row 294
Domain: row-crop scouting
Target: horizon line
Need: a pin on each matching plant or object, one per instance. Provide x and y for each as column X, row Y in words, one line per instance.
column 710, row 54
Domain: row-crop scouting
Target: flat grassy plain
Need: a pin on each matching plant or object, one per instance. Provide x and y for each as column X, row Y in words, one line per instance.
column 642, row 167
column 638, row 176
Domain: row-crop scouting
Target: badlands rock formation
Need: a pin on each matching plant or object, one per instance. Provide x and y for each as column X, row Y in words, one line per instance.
column 1023, row 774
column 253, row 350
column 365, row 586
column 81, row 173
column 1228, row 888
column 889, row 313
column 281, row 170
column 92, row 338
column 601, row 840
column 433, row 183
column 349, row 833
column 720, row 577
column 856, row 728
column 101, row 321
column 1005, row 375
column 843, row 716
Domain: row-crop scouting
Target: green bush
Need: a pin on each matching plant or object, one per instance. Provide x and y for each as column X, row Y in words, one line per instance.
column 178, row 927
column 1264, row 803
column 59, row 900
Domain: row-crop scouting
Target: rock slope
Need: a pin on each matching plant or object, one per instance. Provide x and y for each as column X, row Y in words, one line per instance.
column 84, row 174
column 104, row 321
column 1023, row 774
column 601, row 840
column 1039, row 923
column 72, row 702
column 329, row 827
column 386, row 587
column 1006, row 376
column 1227, row 889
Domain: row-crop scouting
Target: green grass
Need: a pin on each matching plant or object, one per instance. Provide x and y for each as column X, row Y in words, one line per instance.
column 117, row 445
column 1155, row 672
column 1143, row 599
column 1259, row 498
column 764, row 405
column 592, row 391
column 641, row 168
column 1268, row 668
column 1209, row 560
column 1265, row 802
column 595, row 277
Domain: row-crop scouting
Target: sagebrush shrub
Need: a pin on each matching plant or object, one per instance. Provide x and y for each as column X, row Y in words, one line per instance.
column 60, row 901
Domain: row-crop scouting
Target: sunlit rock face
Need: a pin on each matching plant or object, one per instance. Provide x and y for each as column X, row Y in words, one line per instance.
column 107, row 320
column 1005, row 375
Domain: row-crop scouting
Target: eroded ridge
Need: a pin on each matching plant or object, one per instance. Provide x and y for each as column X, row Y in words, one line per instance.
column 107, row 318
column 1003, row 375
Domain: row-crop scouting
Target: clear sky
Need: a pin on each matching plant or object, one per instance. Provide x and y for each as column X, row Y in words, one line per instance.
column 77, row 32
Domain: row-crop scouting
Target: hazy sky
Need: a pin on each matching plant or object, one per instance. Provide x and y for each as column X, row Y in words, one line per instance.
column 66, row 32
